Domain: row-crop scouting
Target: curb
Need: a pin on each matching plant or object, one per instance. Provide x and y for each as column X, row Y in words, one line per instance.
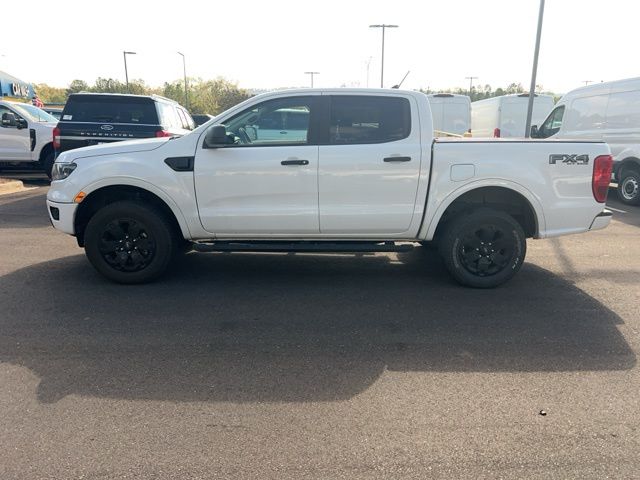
column 11, row 186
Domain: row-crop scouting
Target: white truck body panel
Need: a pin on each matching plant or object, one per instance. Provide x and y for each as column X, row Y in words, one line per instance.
column 345, row 191
column 507, row 113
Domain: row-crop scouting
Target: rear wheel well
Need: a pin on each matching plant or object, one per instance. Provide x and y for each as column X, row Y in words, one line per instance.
column 115, row 193
column 629, row 163
column 46, row 150
column 497, row 198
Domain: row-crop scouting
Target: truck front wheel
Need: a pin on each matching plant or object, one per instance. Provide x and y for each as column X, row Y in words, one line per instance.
column 129, row 242
column 629, row 187
column 483, row 249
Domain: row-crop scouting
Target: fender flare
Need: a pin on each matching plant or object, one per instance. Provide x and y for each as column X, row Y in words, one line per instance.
column 429, row 229
column 135, row 182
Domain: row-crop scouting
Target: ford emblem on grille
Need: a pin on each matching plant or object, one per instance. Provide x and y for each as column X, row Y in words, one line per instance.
column 106, row 127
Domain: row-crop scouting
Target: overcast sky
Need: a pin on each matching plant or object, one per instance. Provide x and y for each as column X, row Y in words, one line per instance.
column 269, row 44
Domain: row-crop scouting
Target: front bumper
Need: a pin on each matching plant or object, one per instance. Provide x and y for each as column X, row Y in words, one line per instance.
column 602, row 220
column 62, row 215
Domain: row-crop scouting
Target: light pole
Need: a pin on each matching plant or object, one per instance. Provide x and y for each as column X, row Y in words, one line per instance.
column 368, row 65
column 312, row 74
column 383, row 27
column 532, row 88
column 126, row 73
column 471, row 79
column 184, row 69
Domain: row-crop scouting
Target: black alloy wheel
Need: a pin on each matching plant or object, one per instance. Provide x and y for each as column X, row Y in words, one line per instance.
column 131, row 242
column 483, row 248
column 127, row 245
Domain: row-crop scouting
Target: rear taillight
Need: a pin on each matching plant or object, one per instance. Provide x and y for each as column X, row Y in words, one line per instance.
column 602, row 166
column 56, row 138
column 163, row 133
column 496, row 132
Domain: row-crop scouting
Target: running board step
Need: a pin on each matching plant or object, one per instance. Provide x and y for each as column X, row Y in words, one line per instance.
column 274, row 246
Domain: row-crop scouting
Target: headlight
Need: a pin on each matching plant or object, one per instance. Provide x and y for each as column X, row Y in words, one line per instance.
column 62, row 170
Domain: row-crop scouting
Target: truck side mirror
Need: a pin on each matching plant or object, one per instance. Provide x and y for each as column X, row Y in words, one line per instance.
column 9, row 120
column 216, row 137
column 534, row 131
column 21, row 123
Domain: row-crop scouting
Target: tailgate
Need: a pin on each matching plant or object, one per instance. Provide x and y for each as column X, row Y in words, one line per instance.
column 77, row 134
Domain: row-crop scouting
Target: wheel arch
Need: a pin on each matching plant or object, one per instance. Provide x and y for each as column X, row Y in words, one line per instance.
column 103, row 195
column 46, row 150
column 506, row 197
column 633, row 162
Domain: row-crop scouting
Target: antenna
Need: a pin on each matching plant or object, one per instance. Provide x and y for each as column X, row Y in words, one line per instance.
column 403, row 79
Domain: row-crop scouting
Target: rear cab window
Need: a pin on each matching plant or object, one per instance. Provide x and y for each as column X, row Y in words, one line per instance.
column 110, row 109
column 360, row 119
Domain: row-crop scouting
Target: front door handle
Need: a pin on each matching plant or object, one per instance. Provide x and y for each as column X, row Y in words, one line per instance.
column 397, row 159
column 294, row 162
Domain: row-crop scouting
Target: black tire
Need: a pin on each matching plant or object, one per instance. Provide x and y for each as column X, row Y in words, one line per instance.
column 129, row 242
column 47, row 163
column 629, row 187
column 483, row 249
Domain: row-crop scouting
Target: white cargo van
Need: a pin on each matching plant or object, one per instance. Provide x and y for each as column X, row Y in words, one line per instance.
column 506, row 116
column 607, row 112
column 451, row 113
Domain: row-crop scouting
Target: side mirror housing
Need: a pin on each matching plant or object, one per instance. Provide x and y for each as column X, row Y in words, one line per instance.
column 534, row 131
column 9, row 120
column 216, row 137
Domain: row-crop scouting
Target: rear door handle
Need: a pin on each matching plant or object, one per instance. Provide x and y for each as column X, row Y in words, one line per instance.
column 397, row 159
column 294, row 162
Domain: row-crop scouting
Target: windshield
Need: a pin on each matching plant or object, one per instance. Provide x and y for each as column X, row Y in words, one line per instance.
column 34, row 114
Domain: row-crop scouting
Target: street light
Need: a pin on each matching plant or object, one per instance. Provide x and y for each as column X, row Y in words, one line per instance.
column 383, row 27
column 126, row 73
column 312, row 74
column 184, row 69
column 532, row 88
column 471, row 79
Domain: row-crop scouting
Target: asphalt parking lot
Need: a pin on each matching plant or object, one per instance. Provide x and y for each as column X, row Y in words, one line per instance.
column 317, row 366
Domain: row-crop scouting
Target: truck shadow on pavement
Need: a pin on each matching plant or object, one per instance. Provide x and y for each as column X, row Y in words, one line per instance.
column 295, row 328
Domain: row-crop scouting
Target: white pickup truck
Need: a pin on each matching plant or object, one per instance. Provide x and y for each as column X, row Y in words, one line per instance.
column 26, row 136
column 366, row 175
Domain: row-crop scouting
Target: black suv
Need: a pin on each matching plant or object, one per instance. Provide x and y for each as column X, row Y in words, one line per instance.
column 94, row 118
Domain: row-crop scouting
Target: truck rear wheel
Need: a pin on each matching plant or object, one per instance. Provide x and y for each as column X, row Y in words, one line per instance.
column 129, row 242
column 483, row 249
column 629, row 187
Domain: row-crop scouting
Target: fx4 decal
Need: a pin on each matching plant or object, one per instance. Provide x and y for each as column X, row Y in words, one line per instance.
column 568, row 159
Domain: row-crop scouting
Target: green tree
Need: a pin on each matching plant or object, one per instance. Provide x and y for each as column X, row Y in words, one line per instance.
column 77, row 86
column 51, row 94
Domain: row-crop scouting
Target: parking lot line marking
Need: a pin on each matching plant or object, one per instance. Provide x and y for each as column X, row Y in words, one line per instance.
column 616, row 209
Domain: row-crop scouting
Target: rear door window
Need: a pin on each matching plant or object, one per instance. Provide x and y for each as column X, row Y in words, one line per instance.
column 95, row 109
column 368, row 119
column 169, row 116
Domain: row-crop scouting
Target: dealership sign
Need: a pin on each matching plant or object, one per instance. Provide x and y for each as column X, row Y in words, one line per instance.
column 20, row 90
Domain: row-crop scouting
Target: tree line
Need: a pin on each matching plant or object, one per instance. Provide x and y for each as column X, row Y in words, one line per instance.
column 203, row 96
column 482, row 92
column 215, row 96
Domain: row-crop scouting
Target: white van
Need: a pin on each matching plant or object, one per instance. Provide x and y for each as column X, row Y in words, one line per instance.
column 451, row 113
column 607, row 112
column 506, row 116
